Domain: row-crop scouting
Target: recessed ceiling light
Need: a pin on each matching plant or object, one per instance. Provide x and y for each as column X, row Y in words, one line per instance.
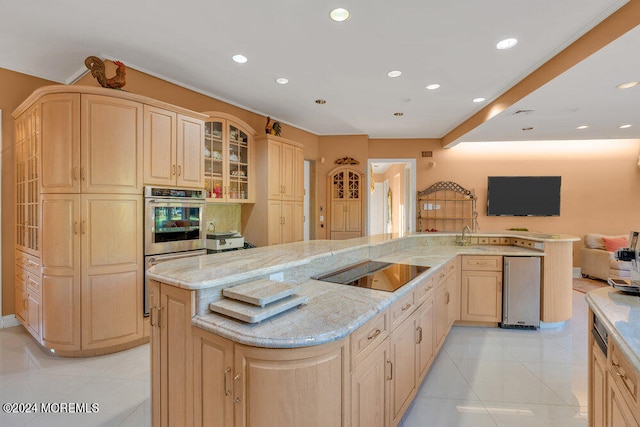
column 627, row 85
column 479, row 99
column 394, row 73
column 624, row 126
column 582, row 127
column 320, row 101
column 433, row 86
column 282, row 80
column 240, row 59
column 398, row 114
column 339, row 14
column 507, row 43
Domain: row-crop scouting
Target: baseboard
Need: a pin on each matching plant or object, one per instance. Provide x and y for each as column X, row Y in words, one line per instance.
column 8, row 321
column 576, row 274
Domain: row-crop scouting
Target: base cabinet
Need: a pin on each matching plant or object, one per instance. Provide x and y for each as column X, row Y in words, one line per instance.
column 370, row 384
column 481, row 288
column 598, row 387
column 238, row 385
column 614, row 393
column 618, row 412
column 171, row 311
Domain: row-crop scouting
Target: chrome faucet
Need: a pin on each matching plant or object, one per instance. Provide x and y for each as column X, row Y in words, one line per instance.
column 465, row 241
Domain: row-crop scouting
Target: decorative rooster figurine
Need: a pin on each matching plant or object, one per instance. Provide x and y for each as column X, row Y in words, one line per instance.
column 96, row 66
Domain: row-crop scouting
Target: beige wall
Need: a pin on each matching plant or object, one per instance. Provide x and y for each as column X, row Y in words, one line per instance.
column 600, row 179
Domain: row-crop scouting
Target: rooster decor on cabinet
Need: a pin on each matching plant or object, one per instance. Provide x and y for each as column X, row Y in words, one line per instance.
column 96, row 66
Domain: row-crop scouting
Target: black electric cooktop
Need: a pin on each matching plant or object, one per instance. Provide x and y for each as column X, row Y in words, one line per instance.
column 383, row 276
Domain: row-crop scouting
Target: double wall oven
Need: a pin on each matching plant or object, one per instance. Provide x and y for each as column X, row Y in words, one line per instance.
column 174, row 227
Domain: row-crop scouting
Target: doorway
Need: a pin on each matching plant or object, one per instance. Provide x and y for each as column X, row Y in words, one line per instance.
column 391, row 202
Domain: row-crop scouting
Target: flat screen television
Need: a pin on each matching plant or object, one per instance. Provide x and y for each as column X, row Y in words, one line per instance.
column 523, row 196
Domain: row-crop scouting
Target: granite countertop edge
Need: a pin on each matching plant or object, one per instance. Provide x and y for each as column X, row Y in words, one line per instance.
column 609, row 305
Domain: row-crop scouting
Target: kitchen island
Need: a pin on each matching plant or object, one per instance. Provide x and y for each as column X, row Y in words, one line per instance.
column 349, row 356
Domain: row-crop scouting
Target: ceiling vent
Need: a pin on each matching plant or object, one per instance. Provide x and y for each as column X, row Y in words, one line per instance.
column 523, row 112
column 426, row 154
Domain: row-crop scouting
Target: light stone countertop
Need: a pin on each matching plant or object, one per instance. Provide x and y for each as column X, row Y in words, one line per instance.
column 334, row 311
column 217, row 269
column 620, row 314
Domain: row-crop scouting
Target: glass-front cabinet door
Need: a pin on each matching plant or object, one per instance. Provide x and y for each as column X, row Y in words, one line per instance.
column 214, row 161
column 227, row 162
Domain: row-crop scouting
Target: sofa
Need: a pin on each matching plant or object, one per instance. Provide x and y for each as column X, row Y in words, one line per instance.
column 597, row 257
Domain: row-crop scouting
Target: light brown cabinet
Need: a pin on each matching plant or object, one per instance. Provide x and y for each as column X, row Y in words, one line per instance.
column 92, row 270
column 90, row 143
column 277, row 214
column 28, row 294
column 345, row 199
column 228, row 160
column 446, row 301
column 598, row 387
column 79, row 182
column 172, row 374
column 370, row 384
column 234, row 384
column 27, row 172
column 481, row 288
column 614, row 394
column 173, row 149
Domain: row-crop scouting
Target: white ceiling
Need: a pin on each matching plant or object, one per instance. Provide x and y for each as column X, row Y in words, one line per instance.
column 448, row 42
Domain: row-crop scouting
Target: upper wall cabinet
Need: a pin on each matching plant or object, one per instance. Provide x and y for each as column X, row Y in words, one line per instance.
column 228, row 160
column 173, row 149
column 90, row 144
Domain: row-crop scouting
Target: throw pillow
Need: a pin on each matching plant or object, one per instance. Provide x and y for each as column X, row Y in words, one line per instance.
column 614, row 243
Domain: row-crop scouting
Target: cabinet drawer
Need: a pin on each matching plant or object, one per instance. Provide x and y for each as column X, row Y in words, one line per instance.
column 33, row 282
column 481, row 263
column 483, row 240
column 625, row 376
column 402, row 309
column 424, row 289
column 28, row 262
column 494, row 241
column 367, row 337
column 505, row 240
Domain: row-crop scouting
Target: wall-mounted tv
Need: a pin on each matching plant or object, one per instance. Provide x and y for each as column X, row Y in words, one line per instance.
column 523, row 196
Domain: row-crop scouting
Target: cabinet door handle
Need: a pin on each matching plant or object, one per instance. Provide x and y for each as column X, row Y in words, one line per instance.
column 447, row 295
column 419, row 334
column 75, row 227
column 374, row 334
column 406, row 307
column 83, row 227
column 82, row 174
column 226, row 372
column 236, row 399
column 74, row 173
column 390, row 377
column 179, row 170
column 173, row 169
column 155, row 320
column 616, row 369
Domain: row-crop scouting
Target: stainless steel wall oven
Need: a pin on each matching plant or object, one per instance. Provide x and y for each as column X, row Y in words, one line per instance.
column 174, row 227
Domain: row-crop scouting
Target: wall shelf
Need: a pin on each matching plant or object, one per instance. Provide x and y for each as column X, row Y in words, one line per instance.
column 447, row 206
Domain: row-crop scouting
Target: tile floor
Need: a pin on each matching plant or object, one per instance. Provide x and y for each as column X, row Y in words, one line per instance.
column 482, row 377
column 508, row 378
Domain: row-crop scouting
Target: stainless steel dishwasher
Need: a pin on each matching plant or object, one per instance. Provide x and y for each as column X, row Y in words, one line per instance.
column 521, row 293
